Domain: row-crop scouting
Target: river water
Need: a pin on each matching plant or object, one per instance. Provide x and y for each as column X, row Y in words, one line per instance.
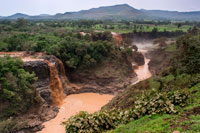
column 143, row 71
column 73, row 104
column 90, row 102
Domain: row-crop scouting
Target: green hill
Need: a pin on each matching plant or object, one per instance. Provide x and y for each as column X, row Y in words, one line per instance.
column 116, row 12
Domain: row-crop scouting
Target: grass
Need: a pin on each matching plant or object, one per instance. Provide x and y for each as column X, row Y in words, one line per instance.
column 156, row 123
column 122, row 28
column 147, row 28
column 187, row 120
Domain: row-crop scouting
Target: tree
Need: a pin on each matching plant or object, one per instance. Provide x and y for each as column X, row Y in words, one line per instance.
column 179, row 25
column 21, row 22
column 17, row 90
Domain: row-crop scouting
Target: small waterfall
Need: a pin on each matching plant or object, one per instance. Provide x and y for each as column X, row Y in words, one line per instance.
column 143, row 71
column 63, row 77
column 65, row 80
column 55, row 84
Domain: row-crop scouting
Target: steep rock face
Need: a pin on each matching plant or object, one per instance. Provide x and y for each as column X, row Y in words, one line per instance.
column 45, row 109
column 42, row 71
column 138, row 58
column 109, row 77
column 159, row 59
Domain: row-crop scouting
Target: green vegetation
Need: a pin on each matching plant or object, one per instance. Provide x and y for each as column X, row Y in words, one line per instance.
column 85, row 52
column 162, row 100
column 147, row 104
column 17, row 92
column 187, row 120
column 175, row 91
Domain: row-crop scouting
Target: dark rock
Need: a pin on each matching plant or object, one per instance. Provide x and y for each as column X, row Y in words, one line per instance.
column 138, row 58
column 158, row 60
column 41, row 69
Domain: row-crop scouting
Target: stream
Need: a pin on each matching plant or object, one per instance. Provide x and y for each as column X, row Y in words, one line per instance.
column 90, row 102
column 143, row 71
column 73, row 104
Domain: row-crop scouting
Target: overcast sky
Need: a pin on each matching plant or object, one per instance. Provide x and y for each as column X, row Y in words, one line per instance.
column 36, row 7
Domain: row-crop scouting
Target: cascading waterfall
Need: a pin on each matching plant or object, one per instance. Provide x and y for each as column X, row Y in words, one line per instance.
column 63, row 77
column 143, row 71
column 55, row 84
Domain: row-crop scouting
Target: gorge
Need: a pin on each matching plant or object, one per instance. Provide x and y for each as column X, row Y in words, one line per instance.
column 53, row 88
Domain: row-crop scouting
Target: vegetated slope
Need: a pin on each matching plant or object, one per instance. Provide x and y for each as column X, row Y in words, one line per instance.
column 116, row 12
column 173, row 95
column 18, row 15
column 111, row 12
column 182, row 73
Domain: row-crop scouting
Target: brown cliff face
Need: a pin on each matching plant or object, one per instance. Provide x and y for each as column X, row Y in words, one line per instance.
column 117, row 38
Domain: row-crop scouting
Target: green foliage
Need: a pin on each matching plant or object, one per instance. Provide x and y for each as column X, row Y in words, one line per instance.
column 16, row 89
column 103, row 36
column 149, row 103
column 11, row 124
column 155, row 123
column 3, row 46
column 81, row 54
column 171, row 82
column 128, row 51
column 187, row 120
column 187, row 59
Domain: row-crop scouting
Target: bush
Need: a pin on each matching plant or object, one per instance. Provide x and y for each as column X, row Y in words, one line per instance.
column 149, row 103
column 80, row 54
column 187, row 59
column 16, row 87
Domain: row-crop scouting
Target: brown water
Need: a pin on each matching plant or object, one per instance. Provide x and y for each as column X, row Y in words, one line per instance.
column 55, row 85
column 73, row 104
column 143, row 72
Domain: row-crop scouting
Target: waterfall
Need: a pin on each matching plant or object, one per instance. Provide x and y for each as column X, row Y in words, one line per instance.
column 63, row 77
column 55, row 84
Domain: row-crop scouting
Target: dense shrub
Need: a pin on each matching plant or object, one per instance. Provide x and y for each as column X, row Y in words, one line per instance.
column 101, row 36
column 149, row 103
column 16, row 87
column 80, row 54
column 188, row 57
column 175, row 82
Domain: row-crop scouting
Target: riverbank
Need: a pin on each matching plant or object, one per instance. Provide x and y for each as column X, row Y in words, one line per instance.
column 73, row 104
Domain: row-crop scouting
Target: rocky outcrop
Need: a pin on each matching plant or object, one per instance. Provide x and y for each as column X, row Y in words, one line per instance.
column 159, row 58
column 44, row 110
column 42, row 71
column 109, row 77
column 138, row 58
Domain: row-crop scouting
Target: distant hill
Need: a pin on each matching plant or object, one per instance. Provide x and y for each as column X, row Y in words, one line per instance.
column 18, row 15
column 172, row 15
column 110, row 12
column 116, row 12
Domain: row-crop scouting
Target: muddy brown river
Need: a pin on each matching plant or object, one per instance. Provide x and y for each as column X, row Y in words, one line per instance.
column 73, row 104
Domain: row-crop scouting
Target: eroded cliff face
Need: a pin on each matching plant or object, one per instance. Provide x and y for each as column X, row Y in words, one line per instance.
column 49, row 87
column 108, row 77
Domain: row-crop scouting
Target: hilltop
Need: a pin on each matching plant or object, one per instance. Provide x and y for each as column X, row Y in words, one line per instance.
column 116, row 12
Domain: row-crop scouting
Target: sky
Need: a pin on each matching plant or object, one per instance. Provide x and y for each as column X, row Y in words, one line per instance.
column 36, row 7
